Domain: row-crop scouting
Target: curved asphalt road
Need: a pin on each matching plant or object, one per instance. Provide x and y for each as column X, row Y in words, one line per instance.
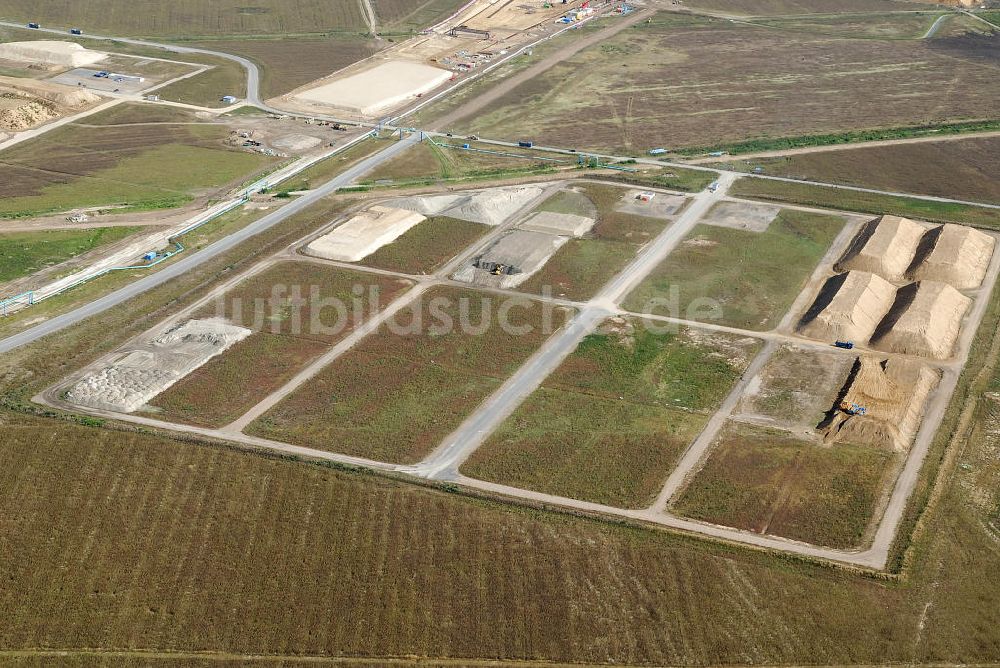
column 253, row 73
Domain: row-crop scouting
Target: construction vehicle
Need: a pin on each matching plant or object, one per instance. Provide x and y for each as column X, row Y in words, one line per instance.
column 495, row 268
column 846, row 345
column 852, row 408
column 340, row 126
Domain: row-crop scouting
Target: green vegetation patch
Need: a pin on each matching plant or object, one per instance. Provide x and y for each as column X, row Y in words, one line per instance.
column 877, row 134
column 612, row 420
column 738, row 277
column 875, row 203
column 24, row 253
column 427, row 246
column 402, row 389
column 769, row 482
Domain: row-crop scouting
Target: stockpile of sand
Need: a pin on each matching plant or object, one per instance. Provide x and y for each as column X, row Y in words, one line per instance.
column 133, row 380
column 50, row 52
column 848, row 308
column 66, row 96
column 924, row 320
column 953, row 254
column 364, row 234
column 21, row 113
column 558, row 223
column 892, row 393
column 490, row 207
column 884, row 246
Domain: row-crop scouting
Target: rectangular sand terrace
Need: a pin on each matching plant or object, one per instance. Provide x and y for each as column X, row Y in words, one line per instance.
column 860, row 375
column 382, row 87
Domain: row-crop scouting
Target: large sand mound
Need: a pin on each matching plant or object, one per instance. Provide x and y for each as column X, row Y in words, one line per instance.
column 21, row 113
column 364, row 234
column 924, row 320
column 884, row 246
column 953, row 254
column 490, row 207
column 134, row 379
column 50, row 52
column 67, row 96
column 558, row 223
column 848, row 308
column 379, row 88
column 892, row 393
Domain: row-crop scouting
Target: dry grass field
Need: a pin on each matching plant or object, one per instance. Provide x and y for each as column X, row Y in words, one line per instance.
column 751, row 278
column 426, row 247
column 284, row 340
column 139, row 166
column 288, row 63
column 769, row 482
column 873, row 203
column 957, row 168
column 396, row 394
column 610, row 422
column 692, row 81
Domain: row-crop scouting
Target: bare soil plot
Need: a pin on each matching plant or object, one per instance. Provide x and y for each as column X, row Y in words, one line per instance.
column 714, row 81
column 737, row 277
column 140, row 166
column 912, row 25
column 285, row 337
column 770, row 482
column 610, row 422
column 795, row 389
column 583, row 265
column 396, row 394
column 427, row 246
column 957, row 168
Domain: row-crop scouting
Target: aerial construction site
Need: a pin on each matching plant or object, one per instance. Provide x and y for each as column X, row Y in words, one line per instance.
column 546, row 332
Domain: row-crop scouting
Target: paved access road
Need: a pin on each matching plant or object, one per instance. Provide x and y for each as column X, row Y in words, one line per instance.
column 194, row 260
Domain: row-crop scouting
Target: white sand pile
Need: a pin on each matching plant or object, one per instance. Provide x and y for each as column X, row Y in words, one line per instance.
column 924, row 320
column 296, row 142
column 378, row 88
column 742, row 216
column 133, row 380
column 490, row 207
column 523, row 251
column 558, row 223
column 884, row 246
column 364, row 234
column 893, row 394
column 953, row 254
column 50, row 52
column 848, row 308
